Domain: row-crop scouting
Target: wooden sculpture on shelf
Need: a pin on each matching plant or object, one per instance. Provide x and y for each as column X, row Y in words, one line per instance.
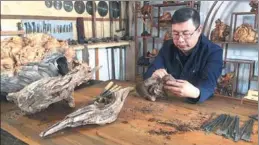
column 165, row 19
column 220, row 32
column 168, row 35
column 40, row 94
column 225, row 84
column 254, row 6
column 245, row 34
column 168, row 2
column 152, row 88
column 105, row 109
column 146, row 10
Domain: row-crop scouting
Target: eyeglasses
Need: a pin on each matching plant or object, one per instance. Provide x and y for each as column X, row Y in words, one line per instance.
column 185, row 35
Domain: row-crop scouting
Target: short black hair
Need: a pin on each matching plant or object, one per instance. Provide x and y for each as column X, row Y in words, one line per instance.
column 185, row 14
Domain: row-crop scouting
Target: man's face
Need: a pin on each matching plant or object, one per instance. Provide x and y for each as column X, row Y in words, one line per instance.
column 185, row 35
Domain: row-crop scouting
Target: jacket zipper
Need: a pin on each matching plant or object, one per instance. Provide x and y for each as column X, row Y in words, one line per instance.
column 177, row 57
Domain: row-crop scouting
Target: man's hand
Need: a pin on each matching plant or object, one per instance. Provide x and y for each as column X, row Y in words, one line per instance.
column 160, row 73
column 182, row 88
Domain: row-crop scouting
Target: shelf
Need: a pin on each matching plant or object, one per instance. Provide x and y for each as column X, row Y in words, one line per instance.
column 11, row 33
column 244, row 13
column 246, row 61
column 146, row 17
column 240, row 99
column 255, row 78
column 36, row 17
column 100, row 45
column 232, row 42
column 173, row 4
column 146, row 37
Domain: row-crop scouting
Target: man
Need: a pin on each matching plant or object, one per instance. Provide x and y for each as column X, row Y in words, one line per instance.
column 193, row 60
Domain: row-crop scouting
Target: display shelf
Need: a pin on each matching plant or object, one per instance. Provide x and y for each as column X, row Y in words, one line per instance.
column 158, row 26
column 232, row 42
column 237, row 62
column 100, row 45
column 240, row 99
column 243, row 13
column 11, row 33
column 174, row 4
column 36, row 17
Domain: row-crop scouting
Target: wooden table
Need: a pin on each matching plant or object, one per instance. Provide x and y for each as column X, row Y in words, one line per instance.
column 132, row 125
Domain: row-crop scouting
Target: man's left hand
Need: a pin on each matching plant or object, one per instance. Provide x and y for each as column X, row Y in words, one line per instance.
column 182, row 88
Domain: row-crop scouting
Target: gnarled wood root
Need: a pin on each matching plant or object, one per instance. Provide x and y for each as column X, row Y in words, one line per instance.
column 92, row 114
column 153, row 88
column 40, row 94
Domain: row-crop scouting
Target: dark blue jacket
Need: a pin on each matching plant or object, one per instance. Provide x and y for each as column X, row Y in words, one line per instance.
column 202, row 68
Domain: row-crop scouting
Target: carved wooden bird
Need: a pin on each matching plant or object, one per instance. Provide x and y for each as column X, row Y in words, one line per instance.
column 95, row 113
column 40, row 94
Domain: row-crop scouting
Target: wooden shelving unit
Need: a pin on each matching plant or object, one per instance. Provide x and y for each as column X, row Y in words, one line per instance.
column 36, row 17
column 158, row 27
column 100, row 45
column 237, row 62
column 12, row 33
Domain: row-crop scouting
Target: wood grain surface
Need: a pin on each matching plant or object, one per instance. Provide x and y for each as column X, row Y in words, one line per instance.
column 131, row 127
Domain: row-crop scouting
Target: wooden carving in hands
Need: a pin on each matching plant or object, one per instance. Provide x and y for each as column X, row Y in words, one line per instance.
column 153, row 87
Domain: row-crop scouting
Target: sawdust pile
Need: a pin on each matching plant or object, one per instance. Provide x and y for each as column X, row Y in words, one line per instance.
column 13, row 114
column 173, row 126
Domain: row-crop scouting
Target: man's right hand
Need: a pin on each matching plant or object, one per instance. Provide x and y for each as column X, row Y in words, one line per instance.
column 159, row 73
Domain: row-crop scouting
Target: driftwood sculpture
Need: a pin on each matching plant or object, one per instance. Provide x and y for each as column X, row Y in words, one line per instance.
column 245, row 34
column 220, row 32
column 40, row 94
column 100, row 112
column 52, row 65
column 153, row 88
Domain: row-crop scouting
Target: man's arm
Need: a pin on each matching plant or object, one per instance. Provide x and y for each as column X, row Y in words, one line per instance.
column 208, row 82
